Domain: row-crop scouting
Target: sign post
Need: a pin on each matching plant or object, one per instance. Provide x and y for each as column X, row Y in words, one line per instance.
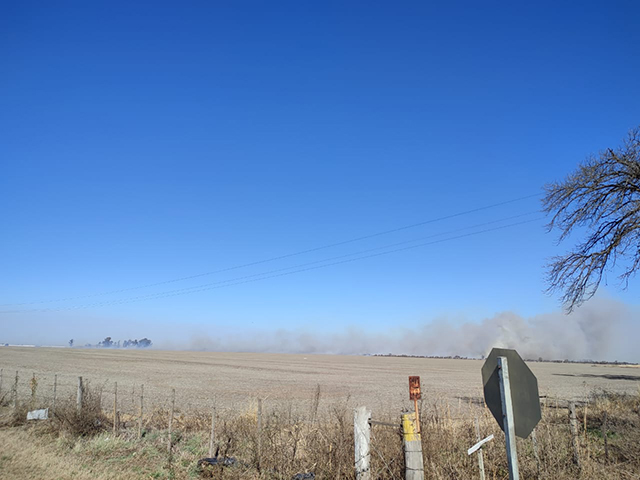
column 507, row 411
column 414, row 394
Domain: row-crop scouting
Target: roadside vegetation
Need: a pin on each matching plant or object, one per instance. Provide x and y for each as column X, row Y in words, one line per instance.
column 82, row 444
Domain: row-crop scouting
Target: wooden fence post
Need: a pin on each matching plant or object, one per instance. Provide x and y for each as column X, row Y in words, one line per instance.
column 213, row 430
column 115, row 409
column 412, row 443
column 536, row 454
column 480, row 455
column 173, row 407
column 1, row 372
column 79, row 396
column 34, row 387
column 15, row 392
column 259, row 453
column 362, row 439
column 573, row 424
column 141, row 412
column 585, row 422
column 604, row 436
column 55, row 387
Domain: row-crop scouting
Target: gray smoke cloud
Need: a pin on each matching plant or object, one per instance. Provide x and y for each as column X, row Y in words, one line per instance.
column 602, row 329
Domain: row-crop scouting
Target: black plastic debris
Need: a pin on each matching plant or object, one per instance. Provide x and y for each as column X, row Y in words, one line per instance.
column 225, row 462
column 207, row 465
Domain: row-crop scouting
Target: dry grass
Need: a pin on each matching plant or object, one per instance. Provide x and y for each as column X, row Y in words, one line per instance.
column 320, row 441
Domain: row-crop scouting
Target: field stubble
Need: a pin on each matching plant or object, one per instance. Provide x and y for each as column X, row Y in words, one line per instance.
column 307, row 420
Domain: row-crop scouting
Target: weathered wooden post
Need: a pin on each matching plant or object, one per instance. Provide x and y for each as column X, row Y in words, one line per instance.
column 604, row 436
column 412, row 445
column 34, row 387
column 79, row 396
column 415, row 395
column 213, row 430
column 507, row 411
column 362, row 440
column 141, row 412
column 15, row 392
column 259, row 415
column 480, row 455
column 1, row 372
column 536, row 454
column 115, row 408
column 573, row 425
column 173, row 407
column 55, row 388
column 586, row 406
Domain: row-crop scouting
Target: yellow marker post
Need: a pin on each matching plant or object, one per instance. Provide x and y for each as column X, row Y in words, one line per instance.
column 412, row 442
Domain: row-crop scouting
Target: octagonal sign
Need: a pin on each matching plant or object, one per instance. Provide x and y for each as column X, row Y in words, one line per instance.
column 524, row 391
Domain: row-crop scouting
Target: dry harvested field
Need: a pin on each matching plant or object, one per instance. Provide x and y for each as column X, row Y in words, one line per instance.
column 237, row 379
column 302, row 428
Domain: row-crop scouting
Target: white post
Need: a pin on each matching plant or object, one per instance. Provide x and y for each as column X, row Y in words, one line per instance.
column 573, row 423
column 480, row 456
column 508, row 422
column 362, row 439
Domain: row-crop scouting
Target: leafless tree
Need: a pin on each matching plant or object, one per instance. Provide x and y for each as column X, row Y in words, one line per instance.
column 600, row 201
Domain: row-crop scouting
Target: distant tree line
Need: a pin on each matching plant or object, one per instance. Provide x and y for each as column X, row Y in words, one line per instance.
column 482, row 357
column 109, row 343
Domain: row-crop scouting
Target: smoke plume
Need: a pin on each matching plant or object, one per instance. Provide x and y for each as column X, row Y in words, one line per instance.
column 603, row 329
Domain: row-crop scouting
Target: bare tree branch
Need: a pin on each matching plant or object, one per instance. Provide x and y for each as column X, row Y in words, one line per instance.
column 603, row 197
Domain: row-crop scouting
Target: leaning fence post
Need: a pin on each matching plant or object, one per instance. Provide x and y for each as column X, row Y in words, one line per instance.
column 141, row 411
column 362, row 439
column 173, row 407
column 573, row 424
column 412, row 443
column 79, row 396
column 480, row 455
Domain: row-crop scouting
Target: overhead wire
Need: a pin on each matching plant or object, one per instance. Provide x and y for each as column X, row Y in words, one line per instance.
column 279, row 257
column 332, row 261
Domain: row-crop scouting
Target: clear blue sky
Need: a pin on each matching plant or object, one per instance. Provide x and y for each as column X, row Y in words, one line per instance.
column 144, row 142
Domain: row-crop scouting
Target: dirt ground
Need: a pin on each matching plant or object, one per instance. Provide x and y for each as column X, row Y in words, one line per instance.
column 235, row 380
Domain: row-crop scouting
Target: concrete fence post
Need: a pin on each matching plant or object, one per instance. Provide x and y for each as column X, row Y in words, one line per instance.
column 362, row 440
column 412, row 444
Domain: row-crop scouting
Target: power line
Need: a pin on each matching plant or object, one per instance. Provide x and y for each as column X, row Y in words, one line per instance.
column 281, row 257
column 298, row 268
